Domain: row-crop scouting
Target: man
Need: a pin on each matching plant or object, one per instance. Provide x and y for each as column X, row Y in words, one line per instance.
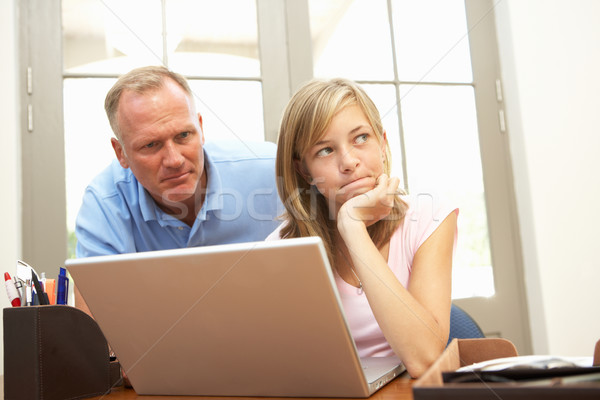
column 166, row 189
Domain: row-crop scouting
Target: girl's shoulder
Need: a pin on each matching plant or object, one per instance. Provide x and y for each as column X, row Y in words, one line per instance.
column 424, row 214
column 426, row 208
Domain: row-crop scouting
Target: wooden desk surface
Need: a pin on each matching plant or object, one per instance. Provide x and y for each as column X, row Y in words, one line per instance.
column 400, row 388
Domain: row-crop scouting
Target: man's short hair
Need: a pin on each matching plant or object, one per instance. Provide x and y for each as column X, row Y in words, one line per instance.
column 139, row 80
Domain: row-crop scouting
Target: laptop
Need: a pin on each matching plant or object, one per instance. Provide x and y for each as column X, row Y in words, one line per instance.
column 247, row 319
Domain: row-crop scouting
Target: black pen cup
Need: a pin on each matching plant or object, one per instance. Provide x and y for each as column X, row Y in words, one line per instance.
column 55, row 352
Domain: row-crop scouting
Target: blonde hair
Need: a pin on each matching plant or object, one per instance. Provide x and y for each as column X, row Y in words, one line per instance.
column 305, row 120
column 139, row 80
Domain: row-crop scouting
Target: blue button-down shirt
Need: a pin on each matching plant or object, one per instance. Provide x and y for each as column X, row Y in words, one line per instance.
column 119, row 216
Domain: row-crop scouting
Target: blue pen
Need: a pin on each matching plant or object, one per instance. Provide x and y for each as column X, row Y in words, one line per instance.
column 62, row 288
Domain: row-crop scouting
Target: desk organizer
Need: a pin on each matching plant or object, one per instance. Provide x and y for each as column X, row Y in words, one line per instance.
column 462, row 352
column 55, row 352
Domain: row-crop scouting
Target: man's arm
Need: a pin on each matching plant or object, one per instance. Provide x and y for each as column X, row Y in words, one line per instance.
column 98, row 232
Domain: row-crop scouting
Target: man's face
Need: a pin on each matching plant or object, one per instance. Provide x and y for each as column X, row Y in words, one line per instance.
column 161, row 142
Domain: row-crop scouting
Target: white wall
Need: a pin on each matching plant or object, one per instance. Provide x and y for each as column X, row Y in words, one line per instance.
column 550, row 60
column 9, row 200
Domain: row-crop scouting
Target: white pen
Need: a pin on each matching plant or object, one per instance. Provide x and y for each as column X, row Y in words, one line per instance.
column 19, row 286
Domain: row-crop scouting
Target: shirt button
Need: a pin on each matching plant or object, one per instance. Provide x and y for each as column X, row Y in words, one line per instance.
column 180, row 228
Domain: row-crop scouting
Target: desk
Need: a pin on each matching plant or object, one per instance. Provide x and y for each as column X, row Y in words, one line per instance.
column 398, row 389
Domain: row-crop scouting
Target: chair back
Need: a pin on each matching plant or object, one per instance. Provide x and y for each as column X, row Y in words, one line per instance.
column 462, row 325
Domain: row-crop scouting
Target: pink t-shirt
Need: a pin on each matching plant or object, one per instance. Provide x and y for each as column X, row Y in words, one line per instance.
column 424, row 215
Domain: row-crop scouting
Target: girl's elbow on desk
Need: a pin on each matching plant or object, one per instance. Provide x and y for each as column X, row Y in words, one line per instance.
column 417, row 366
column 420, row 356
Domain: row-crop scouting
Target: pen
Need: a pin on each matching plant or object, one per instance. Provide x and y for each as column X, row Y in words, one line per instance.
column 11, row 290
column 19, row 285
column 23, row 274
column 28, row 292
column 62, row 288
column 39, row 291
column 50, row 287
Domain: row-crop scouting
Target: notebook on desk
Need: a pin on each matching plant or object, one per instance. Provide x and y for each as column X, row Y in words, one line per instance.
column 250, row 319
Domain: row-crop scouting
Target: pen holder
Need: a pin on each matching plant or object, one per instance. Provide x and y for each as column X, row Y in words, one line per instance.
column 55, row 352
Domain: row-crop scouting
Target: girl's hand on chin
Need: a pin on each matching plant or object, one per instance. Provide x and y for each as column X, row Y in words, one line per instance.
column 371, row 206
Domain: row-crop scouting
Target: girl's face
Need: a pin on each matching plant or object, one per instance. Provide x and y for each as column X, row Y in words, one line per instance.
column 347, row 160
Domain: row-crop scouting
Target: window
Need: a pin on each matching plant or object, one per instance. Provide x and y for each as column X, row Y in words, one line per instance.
column 414, row 61
column 220, row 60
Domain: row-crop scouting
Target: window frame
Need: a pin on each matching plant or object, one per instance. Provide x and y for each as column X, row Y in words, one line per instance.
column 43, row 220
